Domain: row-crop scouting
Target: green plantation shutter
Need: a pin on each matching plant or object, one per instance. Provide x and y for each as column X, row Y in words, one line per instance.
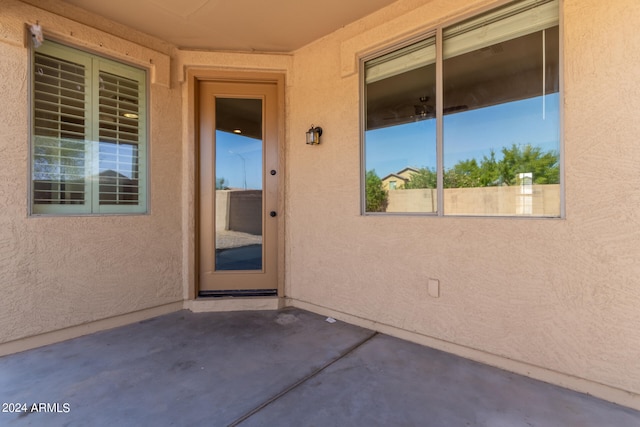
column 89, row 134
column 60, row 158
column 121, row 128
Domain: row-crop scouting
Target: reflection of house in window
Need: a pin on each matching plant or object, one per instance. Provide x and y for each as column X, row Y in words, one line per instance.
column 397, row 181
column 117, row 189
column 393, row 182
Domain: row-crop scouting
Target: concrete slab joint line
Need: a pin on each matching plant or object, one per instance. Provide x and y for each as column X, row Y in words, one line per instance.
column 286, row 367
column 303, row 380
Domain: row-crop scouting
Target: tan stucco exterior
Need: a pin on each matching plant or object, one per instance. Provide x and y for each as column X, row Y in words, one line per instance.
column 561, row 295
column 557, row 299
column 59, row 272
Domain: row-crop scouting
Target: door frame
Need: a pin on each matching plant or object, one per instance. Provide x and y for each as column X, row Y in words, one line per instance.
column 194, row 76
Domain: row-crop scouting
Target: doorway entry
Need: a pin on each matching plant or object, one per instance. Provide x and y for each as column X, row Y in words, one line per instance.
column 238, row 188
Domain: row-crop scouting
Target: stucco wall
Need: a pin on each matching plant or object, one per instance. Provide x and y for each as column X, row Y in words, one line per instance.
column 563, row 295
column 58, row 272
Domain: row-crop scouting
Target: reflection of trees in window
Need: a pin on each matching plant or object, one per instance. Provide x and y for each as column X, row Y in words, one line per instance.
column 424, row 178
column 499, row 83
column 58, row 171
column 515, row 160
column 543, row 167
column 221, row 184
column 377, row 196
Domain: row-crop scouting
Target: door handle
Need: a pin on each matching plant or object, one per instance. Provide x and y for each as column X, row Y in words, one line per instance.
column 273, row 214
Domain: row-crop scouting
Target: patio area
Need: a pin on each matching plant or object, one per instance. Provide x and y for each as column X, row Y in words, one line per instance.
column 274, row 368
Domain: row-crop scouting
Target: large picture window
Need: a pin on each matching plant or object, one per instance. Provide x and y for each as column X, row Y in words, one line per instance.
column 479, row 137
column 89, row 134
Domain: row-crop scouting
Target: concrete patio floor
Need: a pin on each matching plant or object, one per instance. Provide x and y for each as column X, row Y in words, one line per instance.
column 275, row 368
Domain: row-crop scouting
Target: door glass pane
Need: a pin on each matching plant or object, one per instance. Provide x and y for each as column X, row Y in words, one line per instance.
column 239, row 183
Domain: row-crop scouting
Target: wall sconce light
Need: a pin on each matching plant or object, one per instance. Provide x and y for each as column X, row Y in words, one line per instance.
column 313, row 135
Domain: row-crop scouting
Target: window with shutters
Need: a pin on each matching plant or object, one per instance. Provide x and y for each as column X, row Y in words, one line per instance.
column 89, row 143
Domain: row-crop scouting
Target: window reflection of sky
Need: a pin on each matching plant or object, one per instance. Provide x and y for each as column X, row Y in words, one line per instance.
column 467, row 135
column 119, row 157
column 239, row 160
column 391, row 149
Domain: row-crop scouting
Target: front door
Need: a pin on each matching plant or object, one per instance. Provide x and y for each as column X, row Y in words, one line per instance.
column 238, row 157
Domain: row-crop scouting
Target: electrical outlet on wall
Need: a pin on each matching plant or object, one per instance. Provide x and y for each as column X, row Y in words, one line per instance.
column 433, row 287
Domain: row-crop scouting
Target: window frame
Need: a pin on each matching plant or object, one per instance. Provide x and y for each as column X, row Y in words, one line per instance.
column 437, row 31
column 98, row 63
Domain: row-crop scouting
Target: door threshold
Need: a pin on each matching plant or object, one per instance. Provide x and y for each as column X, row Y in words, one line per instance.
column 243, row 293
column 201, row 305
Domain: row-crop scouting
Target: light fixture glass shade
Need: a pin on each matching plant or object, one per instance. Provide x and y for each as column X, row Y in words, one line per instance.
column 313, row 135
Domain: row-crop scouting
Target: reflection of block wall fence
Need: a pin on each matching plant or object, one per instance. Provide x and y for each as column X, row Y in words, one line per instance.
column 239, row 210
column 538, row 200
